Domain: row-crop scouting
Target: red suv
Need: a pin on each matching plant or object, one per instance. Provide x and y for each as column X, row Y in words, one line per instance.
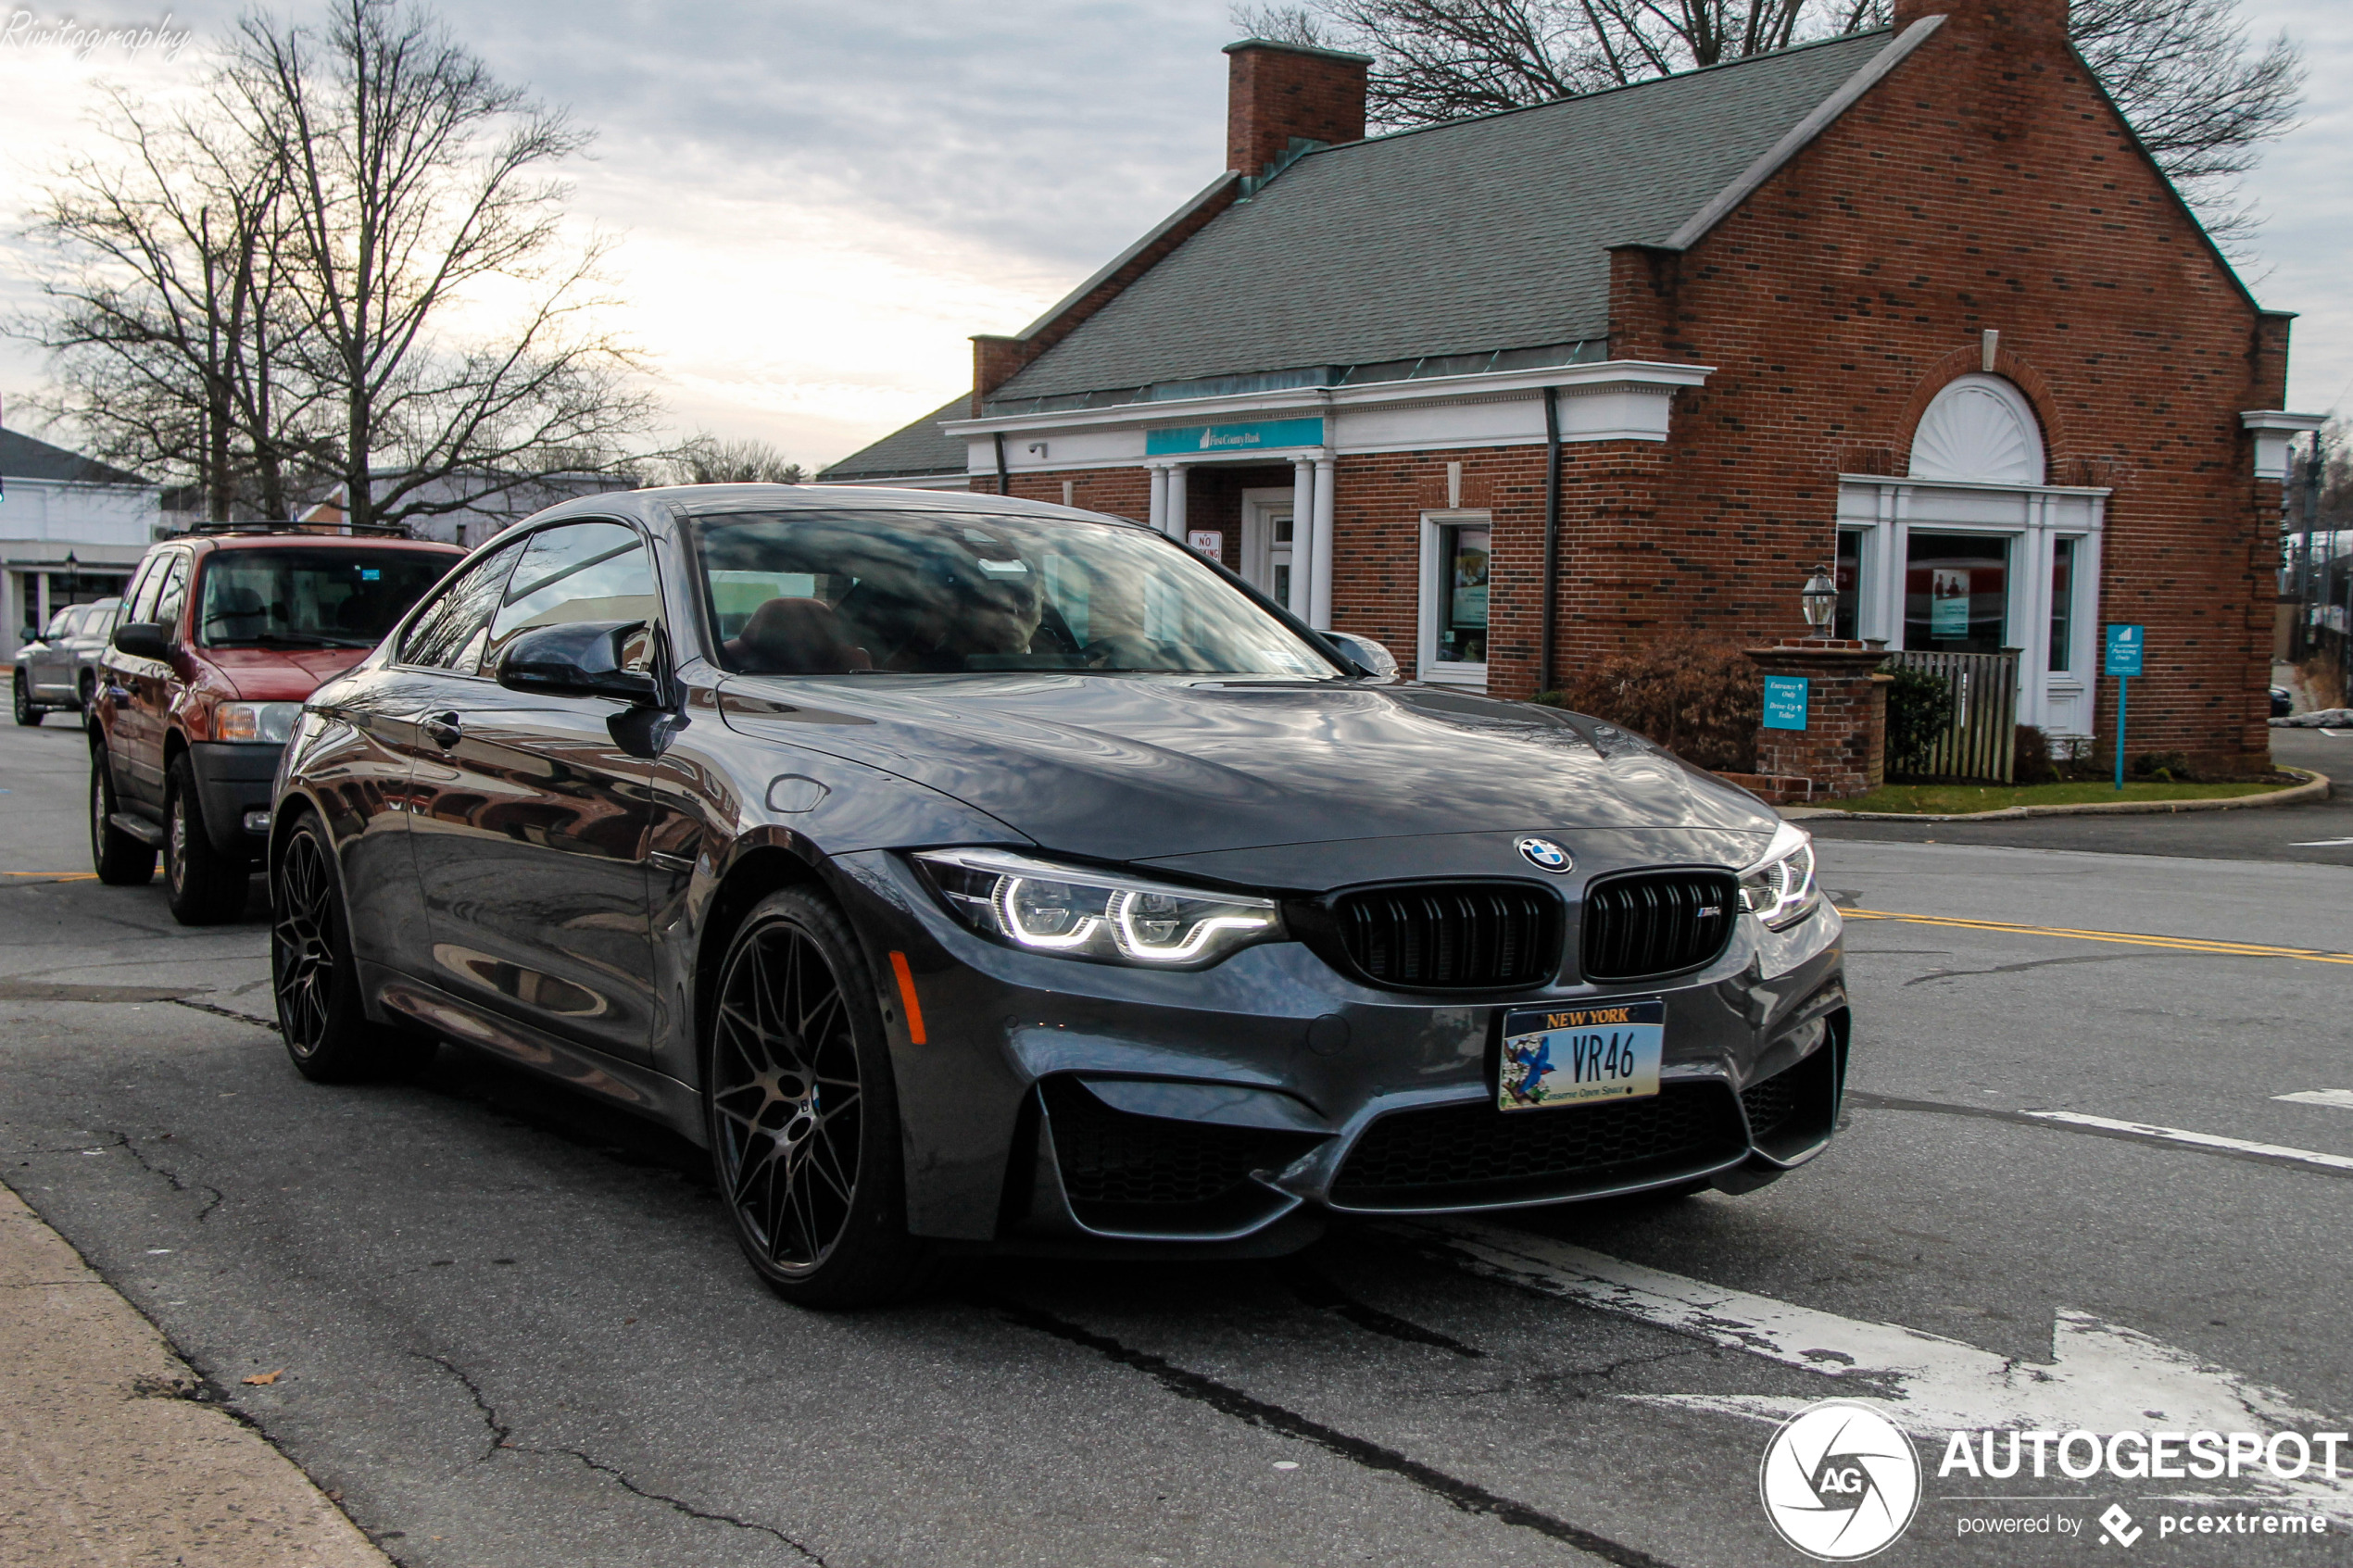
column 222, row 633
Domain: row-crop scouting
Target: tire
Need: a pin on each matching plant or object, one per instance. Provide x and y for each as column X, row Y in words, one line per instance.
column 88, row 696
column 120, row 860
column 782, row 1155
column 203, row 887
column 314, row 979
column 29, row 712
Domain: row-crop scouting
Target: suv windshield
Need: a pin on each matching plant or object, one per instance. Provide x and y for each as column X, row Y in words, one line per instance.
column 343, row 598
column 818, row 593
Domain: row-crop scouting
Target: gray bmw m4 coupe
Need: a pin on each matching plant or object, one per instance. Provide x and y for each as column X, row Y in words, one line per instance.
column 974, row 874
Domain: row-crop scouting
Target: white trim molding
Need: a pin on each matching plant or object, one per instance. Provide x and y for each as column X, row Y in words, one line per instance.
column 2275, row 429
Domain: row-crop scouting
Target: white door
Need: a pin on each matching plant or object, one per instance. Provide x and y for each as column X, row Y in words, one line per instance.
column 1267, row 543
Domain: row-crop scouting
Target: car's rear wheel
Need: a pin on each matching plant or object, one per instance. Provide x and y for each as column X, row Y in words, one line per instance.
column 120, row 860
column 28, row 712
column 803, row 1118
column 313, row 977
column 89, row 690
column 203, row 886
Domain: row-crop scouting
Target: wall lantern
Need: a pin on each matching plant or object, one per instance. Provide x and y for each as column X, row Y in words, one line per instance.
column 1820, row 598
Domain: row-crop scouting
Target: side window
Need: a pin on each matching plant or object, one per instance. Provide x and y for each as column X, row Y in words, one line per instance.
column 173, row 598
column 139, row 597
column 448, row 633
column 61, row 625
column 580, row 572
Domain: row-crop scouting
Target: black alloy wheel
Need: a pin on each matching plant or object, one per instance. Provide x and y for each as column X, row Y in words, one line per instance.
column 804, row 1124
column 203, row 887
column 312, row 976
column 29, row 712
column 120, row 860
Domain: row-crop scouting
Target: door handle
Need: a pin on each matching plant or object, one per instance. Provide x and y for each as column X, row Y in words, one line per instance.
column 443, row 728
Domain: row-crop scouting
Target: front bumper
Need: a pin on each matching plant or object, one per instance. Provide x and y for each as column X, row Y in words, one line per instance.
column 233, row 778
column 1055, row 1104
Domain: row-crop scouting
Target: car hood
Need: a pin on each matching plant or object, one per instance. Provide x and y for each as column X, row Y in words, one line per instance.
column 1127, row 767
column 281, row 674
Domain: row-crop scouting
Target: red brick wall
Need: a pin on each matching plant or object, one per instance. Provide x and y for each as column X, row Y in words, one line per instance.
column 1274, row 92
column 1986, row 184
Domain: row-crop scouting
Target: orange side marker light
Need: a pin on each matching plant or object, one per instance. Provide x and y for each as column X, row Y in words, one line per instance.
column 907, row 996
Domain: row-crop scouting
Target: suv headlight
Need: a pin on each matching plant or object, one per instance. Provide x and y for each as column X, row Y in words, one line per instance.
column 272, row 722
column 1079, row 913
column 1780, row 889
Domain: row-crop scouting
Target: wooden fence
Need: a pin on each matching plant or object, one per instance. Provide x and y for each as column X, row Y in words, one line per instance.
column 1981, row 741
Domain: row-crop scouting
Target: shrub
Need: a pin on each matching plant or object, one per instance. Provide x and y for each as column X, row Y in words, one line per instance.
column 1920, row 709
column 2030, row 758
column 1702, row 701
column 2165, row 767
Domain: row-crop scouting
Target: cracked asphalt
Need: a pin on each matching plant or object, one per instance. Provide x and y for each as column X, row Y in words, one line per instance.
column 513, row 1329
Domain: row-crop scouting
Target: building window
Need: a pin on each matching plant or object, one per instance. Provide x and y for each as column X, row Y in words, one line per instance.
column 1956, row 593
column 1849, row 575
column 2062, row 603
column 1454, row 571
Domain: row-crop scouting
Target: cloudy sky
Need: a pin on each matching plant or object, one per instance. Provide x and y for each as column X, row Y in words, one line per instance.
column 817, row 204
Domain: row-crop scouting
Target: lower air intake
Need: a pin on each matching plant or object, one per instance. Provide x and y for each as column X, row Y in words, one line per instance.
column 1156, row 1176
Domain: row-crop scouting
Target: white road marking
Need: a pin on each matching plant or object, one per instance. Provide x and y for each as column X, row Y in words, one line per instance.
column 2194, row 1140
column 2101, row 1377
column 2341, row 1099
column 2320, row 842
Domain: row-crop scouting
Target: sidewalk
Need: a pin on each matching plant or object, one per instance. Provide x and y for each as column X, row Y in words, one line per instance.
column 105, row 1460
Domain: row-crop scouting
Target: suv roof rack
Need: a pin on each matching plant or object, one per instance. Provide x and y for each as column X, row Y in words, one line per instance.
column 365, row 530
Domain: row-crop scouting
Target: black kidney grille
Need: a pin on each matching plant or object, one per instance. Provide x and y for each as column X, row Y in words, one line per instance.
column 1478, row 1154
column 1657, row 923
column 1115, row 1164
column 1459, row 936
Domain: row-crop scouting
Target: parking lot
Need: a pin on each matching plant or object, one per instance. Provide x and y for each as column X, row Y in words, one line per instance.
column 513, row 1327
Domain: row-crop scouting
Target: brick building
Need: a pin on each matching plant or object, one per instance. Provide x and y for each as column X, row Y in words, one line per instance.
column 1913, row 300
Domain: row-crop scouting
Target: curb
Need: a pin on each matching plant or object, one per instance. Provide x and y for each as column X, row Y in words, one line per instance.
column 2315, row 787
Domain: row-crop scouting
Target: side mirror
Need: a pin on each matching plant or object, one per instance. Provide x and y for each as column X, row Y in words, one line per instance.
column 141, row 639
column 1367, row 654
column 583, row 658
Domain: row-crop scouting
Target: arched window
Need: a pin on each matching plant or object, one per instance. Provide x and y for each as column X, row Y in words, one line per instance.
column 1980, row 428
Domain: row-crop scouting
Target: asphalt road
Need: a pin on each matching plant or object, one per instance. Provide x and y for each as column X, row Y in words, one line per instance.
column 514, row 1331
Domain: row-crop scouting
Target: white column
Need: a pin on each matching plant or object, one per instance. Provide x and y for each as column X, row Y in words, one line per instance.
column 1158, row 514
column 1173, row 523
column 1302, row 530
column 1891, row 569
column 1320, row 615
column 2033, row 639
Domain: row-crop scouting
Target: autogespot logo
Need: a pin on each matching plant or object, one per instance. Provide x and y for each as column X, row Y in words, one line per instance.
column 1543, row 854
column 1839, row 1482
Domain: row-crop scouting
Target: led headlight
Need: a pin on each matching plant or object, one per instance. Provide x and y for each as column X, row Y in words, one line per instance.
column 1780, row 889
column 272, row 722
column 1079, row 912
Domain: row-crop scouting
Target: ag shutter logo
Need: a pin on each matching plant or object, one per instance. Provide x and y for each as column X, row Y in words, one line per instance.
column 1544, row 855
column 1839, row 1482
column 2117, row 1525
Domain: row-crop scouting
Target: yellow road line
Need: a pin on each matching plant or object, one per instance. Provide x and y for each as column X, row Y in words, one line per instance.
column 58, row 877
column 2174, row 944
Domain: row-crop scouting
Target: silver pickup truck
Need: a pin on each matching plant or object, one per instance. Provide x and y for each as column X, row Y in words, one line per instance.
column 58, row 669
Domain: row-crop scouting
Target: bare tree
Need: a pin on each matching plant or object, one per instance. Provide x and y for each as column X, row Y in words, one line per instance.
column 2183, row 72
column 416, row 182
column 706, row 460
column 163, row 272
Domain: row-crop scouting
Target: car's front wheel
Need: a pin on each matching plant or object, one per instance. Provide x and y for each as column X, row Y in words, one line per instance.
column 203, row 886
column 120, row 860
column 803, row 1118
column 29, row 712
column 313, row 977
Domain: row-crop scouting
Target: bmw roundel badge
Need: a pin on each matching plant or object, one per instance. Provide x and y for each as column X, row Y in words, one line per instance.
column 1544, row 855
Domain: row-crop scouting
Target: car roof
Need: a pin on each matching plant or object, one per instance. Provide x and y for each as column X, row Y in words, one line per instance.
column 307, row 540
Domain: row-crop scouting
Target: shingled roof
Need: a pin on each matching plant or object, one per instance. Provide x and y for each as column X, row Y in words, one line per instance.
column 1473, row 236
column 23, row 457
column 919, row 449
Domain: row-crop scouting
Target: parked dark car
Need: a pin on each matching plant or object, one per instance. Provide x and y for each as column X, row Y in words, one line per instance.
column 971, row 872
column 228, row 630
column 58, row 669
column 2283, row 702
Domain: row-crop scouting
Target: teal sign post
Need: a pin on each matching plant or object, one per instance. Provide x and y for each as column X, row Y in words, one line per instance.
column 2124, row 644
column 1258, row 436
column 1784, row 702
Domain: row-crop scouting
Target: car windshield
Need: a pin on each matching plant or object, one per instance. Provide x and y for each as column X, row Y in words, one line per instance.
column 811, row 593
column 312, row 598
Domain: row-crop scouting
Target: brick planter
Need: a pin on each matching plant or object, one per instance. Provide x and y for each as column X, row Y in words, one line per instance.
column 1843, row 750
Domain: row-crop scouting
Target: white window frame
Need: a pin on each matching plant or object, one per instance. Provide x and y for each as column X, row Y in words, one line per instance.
column 1256, row 547
column 1433, row 596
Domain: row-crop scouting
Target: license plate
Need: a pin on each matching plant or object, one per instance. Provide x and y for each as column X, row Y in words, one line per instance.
column 1581, row 1055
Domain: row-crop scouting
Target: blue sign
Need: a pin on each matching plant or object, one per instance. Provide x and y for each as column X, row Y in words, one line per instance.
column 1784, row 702
column 2124, row 644
column 1260, row 434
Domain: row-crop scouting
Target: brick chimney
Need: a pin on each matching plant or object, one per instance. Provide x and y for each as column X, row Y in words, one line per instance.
column 2018, row 22
column 1276, row 91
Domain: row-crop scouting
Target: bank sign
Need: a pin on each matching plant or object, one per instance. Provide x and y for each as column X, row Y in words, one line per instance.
column 1262, row 435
